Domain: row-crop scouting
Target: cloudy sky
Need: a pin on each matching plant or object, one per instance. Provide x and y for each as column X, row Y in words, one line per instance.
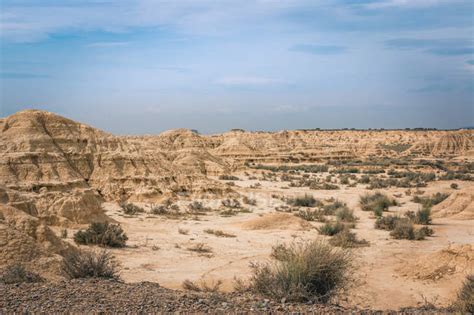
column 144, row 66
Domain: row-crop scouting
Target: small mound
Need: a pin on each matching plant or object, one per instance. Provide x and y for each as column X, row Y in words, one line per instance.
column 460, row 205
column 277, row 221
column 447, row 262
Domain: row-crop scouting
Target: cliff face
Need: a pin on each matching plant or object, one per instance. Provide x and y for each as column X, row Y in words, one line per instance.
column 63, row 170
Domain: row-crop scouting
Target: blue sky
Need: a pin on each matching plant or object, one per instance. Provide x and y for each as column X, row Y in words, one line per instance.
column 144, row 66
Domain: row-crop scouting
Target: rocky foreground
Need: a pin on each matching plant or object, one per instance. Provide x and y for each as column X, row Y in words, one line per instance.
column 97, row 296
column 109, row 296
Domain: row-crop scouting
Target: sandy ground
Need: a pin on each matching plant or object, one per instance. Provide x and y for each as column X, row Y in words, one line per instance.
column 159, row 252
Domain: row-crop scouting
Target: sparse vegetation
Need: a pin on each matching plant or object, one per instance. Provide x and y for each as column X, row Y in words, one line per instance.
column 219, row 233
column 454, row 186
column 344, row 214
column 465, row 298
column 90, row 264
column 430, row 201
column 311, row 215
column 303, row 201
column 17, row 273
column 331, row 228
column 102, row 234
column 130, row 208
column 314, row 271
column 228, row 177
column 376, row 202
column 201, row 248
column 347, row 239
column 201, row 286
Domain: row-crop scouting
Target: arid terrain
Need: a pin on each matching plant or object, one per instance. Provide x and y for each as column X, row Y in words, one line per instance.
column 206, row 208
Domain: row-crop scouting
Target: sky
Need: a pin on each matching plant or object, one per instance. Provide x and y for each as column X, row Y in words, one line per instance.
column 145, row 66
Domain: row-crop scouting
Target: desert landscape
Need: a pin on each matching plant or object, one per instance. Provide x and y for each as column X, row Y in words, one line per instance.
column 219, row 223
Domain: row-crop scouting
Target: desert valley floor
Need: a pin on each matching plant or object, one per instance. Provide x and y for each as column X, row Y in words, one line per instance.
column 207, row 208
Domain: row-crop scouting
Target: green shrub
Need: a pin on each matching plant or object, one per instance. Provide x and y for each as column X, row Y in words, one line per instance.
column 344, row 214
column 90, row 264
column 465, row 299
column 102, row 234
column 431, row 201
column 313, row 271
column 376, row 201
column 304, row 201
column 403, row 230
column 423, row 216
column 347, row 239
column 454, row 186
column 308, row 215
column 388, row 222
column 130, row 208
column 423, row 232
column 331, row 208
column 331, row 228
column 17, row 273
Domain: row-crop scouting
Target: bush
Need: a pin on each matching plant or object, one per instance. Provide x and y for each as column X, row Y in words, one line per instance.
column 231, row 203
column 403, row 230
column 304, row 201
column 431, row 201
column 331, row 228
column 454, row 186
column 331, row 208
column 102, row 234
column 309, row 215
column 387, row 223
column 347, row 239
column 423, row 216
column 202, row 286
column 90, row 264
column 465, row 299
column 344, row 214
column 313, row 271
column 228, row 177
column 18, row 274
column 423, row 232
column 130, row 208
column 375, row 202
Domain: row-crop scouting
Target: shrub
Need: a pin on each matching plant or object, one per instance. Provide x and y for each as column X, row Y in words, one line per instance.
column 331, row 208
column 347, row 239
column 375, row 202
column 431, row 201
column 454, row 186
column 231, row 203
column 130, row 208
column 312, row 271
column 309, row 215
column 219, row 233
column 403, row 230
column 228, row 177
column 17, row 273
column 304, row 201
column 249, row 201
column 90, row 264
column 331, row 228
column 102, row 234
column 423, row 216
column 388, row 222
column 344, row 214
column 465, row 299
column 423, row 232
